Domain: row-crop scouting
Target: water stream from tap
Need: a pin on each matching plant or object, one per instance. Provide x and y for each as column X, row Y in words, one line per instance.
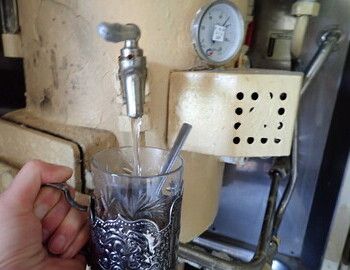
column 136, row 131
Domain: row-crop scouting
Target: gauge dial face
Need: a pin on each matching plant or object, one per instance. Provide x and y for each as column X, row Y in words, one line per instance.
column 218, row 31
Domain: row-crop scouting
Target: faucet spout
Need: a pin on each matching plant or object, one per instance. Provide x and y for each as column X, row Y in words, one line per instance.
column 132, row 64
column 133, row 84
column 132, row 76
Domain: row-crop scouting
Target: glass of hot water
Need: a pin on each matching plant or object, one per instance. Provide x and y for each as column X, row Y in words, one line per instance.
column 135, row 212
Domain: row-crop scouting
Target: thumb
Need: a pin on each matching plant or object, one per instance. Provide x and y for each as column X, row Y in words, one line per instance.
column 26, row 185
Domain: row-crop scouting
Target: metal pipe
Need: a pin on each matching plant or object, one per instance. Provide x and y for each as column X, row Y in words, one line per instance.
column 287, row 194
column 9, row 16
column 328, row 42
column 276, row 173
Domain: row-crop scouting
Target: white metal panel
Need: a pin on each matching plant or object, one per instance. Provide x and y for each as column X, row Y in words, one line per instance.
column 340, row 225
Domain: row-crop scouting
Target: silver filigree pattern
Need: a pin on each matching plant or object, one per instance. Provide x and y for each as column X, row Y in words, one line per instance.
column 122, row 244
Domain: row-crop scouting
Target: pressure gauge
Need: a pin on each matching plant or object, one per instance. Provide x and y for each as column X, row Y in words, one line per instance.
column 218, row 32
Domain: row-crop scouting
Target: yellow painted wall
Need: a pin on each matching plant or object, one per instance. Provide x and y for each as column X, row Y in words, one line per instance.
column 71, row 71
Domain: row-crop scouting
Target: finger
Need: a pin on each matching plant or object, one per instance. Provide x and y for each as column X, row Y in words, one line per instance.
column 26, row 185
column 79, row 242
column 81, row 258
column 55, row 263
column 67, row 231
column 46, row 200
column 54, row 218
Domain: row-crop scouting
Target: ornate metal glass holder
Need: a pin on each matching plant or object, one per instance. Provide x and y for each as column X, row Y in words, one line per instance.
column 135, row 219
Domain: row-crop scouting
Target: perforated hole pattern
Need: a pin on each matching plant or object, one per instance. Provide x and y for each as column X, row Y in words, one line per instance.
column 239, row 111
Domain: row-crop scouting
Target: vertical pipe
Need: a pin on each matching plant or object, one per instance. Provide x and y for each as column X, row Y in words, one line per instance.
column 328, row 43
column 266, row 230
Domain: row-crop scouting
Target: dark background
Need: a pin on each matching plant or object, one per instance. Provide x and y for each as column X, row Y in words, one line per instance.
column 12, row 87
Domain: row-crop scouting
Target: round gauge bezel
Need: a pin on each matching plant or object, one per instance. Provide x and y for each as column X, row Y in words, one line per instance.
column 196, row 27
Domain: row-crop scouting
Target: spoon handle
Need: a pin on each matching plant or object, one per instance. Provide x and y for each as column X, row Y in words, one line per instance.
column 174, row 152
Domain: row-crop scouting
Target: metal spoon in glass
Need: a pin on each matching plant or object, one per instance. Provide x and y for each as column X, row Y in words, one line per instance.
column 174, row 152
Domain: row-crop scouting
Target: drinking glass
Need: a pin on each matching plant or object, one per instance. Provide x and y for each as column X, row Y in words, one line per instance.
column 135, row 219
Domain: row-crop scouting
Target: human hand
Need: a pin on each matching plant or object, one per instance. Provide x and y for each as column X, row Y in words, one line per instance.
column 38, row 229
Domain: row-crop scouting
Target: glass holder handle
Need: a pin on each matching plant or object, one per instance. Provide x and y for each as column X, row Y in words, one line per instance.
column 68, row 196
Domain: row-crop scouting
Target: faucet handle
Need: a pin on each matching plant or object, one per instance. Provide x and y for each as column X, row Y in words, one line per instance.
column 118, row 32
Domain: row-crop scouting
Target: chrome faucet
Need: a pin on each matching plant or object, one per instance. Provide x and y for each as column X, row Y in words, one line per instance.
column 132, row 64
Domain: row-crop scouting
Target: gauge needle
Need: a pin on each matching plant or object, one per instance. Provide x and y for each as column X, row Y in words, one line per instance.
column 226, row 20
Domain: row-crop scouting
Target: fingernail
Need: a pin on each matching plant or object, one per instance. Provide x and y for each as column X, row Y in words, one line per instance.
column 41, row 210
column 57, row 245
column 69, row 253
column 66, row 169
